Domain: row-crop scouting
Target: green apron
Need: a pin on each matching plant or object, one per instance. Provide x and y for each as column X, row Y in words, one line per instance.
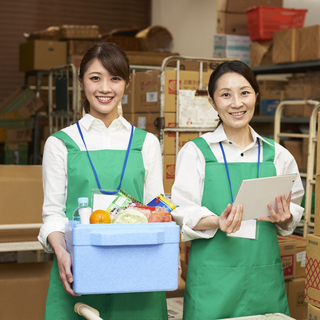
column 234, row 277
column 81, row 180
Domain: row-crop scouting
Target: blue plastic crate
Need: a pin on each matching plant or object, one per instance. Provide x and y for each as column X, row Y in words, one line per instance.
column 120, row 258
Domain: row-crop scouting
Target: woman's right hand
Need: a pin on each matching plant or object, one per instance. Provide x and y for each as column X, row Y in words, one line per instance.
column 64, row 265
column 58, row 243
column 230, row 219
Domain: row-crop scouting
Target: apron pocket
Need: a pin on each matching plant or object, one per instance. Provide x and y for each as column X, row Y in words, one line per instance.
column 217, row 292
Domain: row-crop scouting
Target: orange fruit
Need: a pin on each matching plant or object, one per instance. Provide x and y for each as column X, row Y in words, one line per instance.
column 100, row 216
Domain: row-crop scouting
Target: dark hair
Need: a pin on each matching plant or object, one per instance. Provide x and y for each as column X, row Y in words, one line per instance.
column 111, row 57
column 232, row 66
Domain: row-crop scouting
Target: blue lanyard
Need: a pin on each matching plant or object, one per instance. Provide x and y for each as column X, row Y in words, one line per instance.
column 226, row 164
column 94, row 170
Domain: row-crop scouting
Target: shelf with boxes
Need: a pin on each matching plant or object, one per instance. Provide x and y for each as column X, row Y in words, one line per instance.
column 185, row 112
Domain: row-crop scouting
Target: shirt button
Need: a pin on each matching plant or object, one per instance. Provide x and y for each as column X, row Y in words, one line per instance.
column 241, row 154
column 230, row 142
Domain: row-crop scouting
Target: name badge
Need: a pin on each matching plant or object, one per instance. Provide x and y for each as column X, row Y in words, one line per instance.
column 248, row 230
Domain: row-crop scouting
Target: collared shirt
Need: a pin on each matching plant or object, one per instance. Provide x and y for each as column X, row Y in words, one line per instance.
column 97, row 137
column 187, row 190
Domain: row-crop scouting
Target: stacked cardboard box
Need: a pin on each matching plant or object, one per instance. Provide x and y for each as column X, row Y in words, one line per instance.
column 312, row 274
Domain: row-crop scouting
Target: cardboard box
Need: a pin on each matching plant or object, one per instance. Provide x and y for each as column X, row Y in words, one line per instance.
column 146, row 121
column 312, row 278
column 284, row 49
column 169, row 167
column 266, row 85
column 260, row 53
column 127, row 98
column 232, row 46
column 148, row 58
column 22, row 103
column 42, row 55
column 297, row 305
column 287, row 252
column 80, row 47
column 21, row 192
column 300, row 259
column 232, row 23
column 169, row 141
column 295, row 148
column 149, row 249
column 147, row 91
column 75, row 59
column 189, row 80
column 175, row 308
column 24, row 288
column 313, row 312
column 317, row 204
column 269, row 101
column 308, row 43
column 242, row 5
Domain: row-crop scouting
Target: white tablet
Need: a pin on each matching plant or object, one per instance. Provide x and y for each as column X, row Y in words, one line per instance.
column 255, row 194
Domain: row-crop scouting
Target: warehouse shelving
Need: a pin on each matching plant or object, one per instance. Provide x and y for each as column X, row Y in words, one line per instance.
column 292, row 68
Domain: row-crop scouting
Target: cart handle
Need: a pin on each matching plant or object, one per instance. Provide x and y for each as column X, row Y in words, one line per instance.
column 86, row 311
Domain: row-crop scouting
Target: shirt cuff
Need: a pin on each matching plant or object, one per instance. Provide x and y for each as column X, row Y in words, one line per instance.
column 296, row 212
column 49, row 227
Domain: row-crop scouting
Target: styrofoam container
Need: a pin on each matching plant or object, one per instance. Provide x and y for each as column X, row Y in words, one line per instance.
column 120, row 258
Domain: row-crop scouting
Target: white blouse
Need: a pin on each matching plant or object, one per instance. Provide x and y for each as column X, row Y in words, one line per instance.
column 97, row 137
column 190, row 175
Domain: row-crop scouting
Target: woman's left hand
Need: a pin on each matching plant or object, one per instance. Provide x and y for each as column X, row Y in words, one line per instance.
column 284, row 216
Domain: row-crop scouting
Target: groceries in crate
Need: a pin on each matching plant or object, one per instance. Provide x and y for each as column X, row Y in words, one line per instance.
column 125, row 209
column 161, row 201
column 100, row 216
column 83, row 212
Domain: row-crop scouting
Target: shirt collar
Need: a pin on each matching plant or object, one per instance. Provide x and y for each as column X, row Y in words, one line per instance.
column 219, row 136
column 88, row 120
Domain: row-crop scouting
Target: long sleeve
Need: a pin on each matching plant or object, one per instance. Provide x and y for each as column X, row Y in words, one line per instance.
column 187, row 192
column 54, row 175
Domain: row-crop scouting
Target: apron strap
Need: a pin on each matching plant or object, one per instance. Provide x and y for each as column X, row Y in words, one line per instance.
column 205, row 149
column 70, row 144
column 138, row 139
column 268, row 150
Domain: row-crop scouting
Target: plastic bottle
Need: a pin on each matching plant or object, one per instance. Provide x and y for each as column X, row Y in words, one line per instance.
column 83, row 210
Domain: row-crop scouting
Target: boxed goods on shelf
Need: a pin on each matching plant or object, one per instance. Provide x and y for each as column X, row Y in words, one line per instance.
column 146, row 87
column 21, row 192
column 297, row 305
column 169, row 167
column 308, row 43
column 300, row 259
column 42, row 55
column 232, row 23
column 127, row 98
column 312, row 291
column 284, row 46
column 148, row 58
column 79, row 32
column 145, row 121
column 147, row 252
column 269, row 100
column 232, row 46
column 313, row 312
column 260, row 53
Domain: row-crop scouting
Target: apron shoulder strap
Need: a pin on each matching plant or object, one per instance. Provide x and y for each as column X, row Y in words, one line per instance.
column 205, row 149
column 138, row 138
column 268, row 150
column 70, row 144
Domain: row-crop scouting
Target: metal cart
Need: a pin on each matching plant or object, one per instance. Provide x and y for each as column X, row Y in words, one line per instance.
column 312, row 140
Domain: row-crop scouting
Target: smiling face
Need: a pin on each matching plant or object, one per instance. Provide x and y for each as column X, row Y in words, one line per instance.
column 103, row 91
column 234, row 99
